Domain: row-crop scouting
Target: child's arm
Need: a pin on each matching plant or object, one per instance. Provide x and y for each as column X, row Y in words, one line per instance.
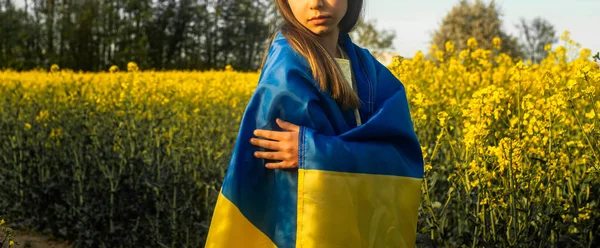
column 385, row 144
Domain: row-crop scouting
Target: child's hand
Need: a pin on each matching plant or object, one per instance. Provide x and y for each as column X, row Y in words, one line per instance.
column 284, row 144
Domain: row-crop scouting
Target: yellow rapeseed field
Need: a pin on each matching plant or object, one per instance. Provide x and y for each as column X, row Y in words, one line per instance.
column 512, row 149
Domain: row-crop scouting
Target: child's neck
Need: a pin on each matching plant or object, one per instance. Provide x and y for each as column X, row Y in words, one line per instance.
column 330, row 41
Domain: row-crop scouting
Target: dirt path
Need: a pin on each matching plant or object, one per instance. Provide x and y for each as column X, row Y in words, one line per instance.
column 38, row 241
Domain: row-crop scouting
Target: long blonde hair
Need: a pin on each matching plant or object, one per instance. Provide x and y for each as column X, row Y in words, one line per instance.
column 324, row 68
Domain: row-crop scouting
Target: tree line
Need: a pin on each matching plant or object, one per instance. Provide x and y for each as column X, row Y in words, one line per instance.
column 92, row 35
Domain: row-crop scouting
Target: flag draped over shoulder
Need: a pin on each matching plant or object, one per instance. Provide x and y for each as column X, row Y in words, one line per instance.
column 355, row 186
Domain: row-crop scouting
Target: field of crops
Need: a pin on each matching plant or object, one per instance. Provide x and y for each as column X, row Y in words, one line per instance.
column 132, row 158
column 511, row 148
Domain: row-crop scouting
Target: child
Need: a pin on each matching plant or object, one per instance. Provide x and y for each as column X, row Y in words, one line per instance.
column 345, row 168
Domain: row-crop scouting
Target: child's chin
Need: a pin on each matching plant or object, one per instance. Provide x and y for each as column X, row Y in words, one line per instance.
column 321, row 30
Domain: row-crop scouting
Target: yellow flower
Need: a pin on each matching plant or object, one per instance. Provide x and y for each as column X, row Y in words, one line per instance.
column 113, row 68
column 439, row 55
column 27, row 126
column 584, row 216
column 442, row 117
column 561, row 50
column 588, row 128
column 566, row 35
column 56, row 133
column 586, row 69
column 11, row 243
column 450, row 46
column 497, row 42
column 433, row 49
column 585, row 53
column 463, row 54
column 132, row 66
column 547, row 47
column 573, row 229
column 472, row 42
column 419, row 56
column 590, row 115
column 2, row 222
column 571, row 83
column 397, row 60
column 590, row 90
column 520, row 65
column 54, row 68
column 418, row 99
column 428, row 167
column 229, row 68
column 42, row 115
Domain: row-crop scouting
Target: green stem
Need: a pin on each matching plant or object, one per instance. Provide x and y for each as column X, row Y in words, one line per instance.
column 587, row 138
column 512, row 197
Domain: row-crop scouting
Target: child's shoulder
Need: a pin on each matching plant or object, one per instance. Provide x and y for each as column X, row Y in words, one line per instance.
column 285, row 67
column 283, row 56
column 283, row 61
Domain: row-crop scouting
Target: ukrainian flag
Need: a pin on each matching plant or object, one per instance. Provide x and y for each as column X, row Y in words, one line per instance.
column 356, row 186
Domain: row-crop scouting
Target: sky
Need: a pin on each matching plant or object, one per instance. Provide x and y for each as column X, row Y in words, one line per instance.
column 414, row 21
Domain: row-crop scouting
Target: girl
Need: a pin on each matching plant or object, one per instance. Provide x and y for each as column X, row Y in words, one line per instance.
column 326, row 154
